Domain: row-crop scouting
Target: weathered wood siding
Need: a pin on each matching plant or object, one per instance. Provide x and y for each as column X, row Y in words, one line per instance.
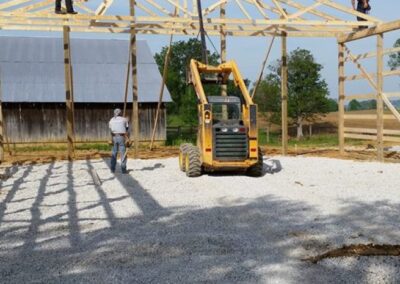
column 47, row 122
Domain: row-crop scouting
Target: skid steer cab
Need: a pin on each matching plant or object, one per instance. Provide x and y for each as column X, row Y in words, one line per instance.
column 227, row 136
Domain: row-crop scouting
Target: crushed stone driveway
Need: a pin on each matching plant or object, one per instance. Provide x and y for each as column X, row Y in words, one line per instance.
column 155, row 225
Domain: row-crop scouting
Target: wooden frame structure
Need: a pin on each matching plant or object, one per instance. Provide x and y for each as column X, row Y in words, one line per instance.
column 223, row 18
column 380, row 135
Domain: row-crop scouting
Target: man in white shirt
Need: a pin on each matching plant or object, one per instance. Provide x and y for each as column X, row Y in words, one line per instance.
column 119, row 132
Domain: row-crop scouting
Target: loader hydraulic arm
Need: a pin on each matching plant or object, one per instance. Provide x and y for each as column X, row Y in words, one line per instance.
column 224, row 70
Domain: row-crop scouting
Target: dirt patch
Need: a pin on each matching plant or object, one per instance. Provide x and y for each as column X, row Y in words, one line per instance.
column 358, row 250
column 40, row 157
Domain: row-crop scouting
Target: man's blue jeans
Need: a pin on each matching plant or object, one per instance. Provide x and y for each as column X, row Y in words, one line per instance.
column 118, row 143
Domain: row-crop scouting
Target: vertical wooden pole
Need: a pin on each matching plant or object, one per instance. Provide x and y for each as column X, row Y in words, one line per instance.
column 69, row 93
column 135, row 96
column 379, row 100
column 341, row 97
column 2, row 126
column 185, row 7
column 1, row 130
column 284, row 94
column 223, row 46
column 163, row 82
column 224, row 87
column 128, row 73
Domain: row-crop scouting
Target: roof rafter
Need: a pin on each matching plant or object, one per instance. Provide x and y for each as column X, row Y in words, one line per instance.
column 159, row 17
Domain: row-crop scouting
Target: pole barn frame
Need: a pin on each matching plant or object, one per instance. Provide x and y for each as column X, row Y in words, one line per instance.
column 259, row 18
column 379, row 135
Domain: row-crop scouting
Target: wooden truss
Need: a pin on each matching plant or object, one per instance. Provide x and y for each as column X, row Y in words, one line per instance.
column 283, row 18
column 243, row 17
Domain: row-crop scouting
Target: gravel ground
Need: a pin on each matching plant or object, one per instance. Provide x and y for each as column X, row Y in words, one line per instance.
column 155, row 225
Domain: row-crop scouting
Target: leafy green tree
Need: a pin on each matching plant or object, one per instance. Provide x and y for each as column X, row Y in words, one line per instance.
column 184, row 98
column 307, row 91
column 368, row 104
column 268, row 99
column 394, row 61
column 354, row 105
column 332, row 105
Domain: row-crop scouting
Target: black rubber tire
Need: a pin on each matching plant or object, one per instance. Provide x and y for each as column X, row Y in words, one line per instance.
column 193, row 162
column 183, row 149
column 257, row 170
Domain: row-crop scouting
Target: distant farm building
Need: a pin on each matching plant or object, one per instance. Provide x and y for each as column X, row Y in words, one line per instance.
column 33, row 93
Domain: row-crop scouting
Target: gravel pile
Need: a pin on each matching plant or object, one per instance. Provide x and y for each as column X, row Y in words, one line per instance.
column 155, row 225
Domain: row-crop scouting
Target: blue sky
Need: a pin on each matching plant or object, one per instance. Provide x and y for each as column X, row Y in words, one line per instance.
column 249, row 52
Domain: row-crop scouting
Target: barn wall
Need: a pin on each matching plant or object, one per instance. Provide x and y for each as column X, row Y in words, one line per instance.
column 46, row 122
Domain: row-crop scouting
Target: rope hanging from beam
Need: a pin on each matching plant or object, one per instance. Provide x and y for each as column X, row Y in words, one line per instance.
column 163, row 81
column 263, row 67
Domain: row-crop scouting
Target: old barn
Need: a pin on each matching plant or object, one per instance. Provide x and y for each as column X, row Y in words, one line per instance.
column 33, row 93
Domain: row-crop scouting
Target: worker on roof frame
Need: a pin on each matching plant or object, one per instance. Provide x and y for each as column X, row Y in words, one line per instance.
column 70, row 7
column 362, row 7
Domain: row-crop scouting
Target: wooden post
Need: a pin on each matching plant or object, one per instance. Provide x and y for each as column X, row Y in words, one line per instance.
column 2, row 125
column 128, row 73
column 284, row 94
column 135, row 96
column 223, row 46
column 1, row 130
column 163, row 82
column 379, row 100
column 341, row 98
column 69, row 93
column 224, row 87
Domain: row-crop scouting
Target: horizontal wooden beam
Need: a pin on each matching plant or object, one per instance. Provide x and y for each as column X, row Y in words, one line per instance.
column 391, row 139
column 371, row 131
column 143, row 19
column 369, row 96
column 368, row 117
column 392, row 94
column 381, row 28
column 373, row 54
column 362, row 76
column 360, row 136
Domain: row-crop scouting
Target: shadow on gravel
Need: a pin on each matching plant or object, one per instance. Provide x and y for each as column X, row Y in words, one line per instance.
column 270, row 166
column 261, row 240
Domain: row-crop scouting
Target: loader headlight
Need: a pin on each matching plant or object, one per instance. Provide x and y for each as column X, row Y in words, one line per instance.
column 207, row 116
column 235, row 129
column 224, row 129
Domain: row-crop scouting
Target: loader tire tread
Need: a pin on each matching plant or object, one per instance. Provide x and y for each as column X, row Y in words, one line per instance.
column 182, row 155
column 193, row 165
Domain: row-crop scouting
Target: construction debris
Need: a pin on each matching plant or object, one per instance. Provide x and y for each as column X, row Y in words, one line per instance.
column 358, row 250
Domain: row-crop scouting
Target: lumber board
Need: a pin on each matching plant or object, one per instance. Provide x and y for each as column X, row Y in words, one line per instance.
column 381, row 28
column 351, row 11
column 284, row 94
column 368, row 117
column 363, row 76
column 373, row 54
column 341, row 97
column 391, row 139
column 371, row 130
column 379, row 96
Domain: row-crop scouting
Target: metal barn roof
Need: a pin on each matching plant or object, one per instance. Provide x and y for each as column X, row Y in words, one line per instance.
column 32, row 70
